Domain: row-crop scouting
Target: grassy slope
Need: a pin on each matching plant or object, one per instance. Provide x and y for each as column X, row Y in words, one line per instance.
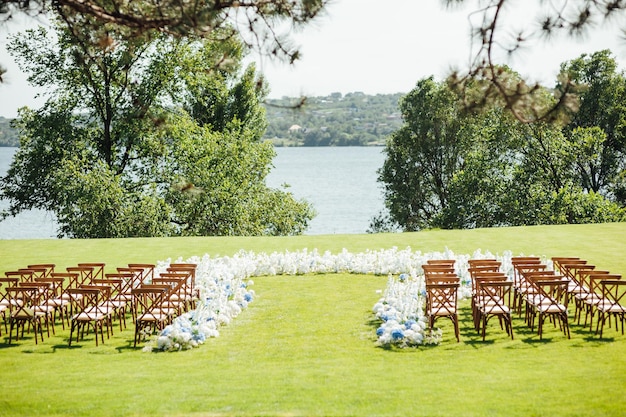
column 306, row 345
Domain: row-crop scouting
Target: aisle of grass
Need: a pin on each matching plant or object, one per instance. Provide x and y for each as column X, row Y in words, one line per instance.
column 306, row 345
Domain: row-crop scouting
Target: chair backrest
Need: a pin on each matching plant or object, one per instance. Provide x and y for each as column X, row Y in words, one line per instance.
column 149, row 298
column 442, row 279
column 56, row 283
column 97, row 269
column 614, row 291
column 23, row 275
column 442, row 262
column 85, row 274
column 553, row 291
column 442, row 298
column 147, row 271
column 437, row 269
column 557, row 261
column 48, row 269
column 84, row 299
column 492, row 295
column 22, row 300
column 483, row 262
column 4, row 284
column 595, row 278
column 572, row 271
column 45, row 290
column 135, row 276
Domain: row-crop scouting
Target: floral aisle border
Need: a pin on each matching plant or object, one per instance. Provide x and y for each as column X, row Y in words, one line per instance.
column 224, row 289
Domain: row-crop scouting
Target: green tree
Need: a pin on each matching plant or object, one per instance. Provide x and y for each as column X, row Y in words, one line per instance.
column 259, row 21
column 601, row 146
column 422, row 156
column 451, row 169
column 104, row 154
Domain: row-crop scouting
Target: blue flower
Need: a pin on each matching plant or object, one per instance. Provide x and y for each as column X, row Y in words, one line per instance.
column 397, row 334
column 409, row 323
column 380, row 331
column 403, row 277
column 247, row 297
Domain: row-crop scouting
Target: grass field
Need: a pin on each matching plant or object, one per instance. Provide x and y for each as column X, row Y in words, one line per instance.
column 306, row 345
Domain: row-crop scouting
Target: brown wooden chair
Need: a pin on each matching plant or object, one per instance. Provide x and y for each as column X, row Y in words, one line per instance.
column 5, row 300
column 441, row 301
column 87, row 312
column 21, row 312
column 549, row 301
column 493, row 299
column 613, row 292
column 150, row 316
column 43, row 307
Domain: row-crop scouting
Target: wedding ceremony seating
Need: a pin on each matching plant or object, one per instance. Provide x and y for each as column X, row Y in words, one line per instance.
column 441, row 301
column 90, row 299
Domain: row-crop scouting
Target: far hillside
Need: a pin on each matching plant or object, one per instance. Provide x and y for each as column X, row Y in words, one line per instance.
column 354, row 119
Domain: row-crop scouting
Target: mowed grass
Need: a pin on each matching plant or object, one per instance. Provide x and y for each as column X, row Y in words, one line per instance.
column 306, row 345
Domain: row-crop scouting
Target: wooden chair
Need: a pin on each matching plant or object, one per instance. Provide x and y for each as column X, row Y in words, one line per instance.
column 56, row 299
column 493, row 300
column 613, row 292
column 589, row 293
column 5, row 300
column 22, row 300
column 116, row 301
column 150, row 317
column 190, row 269
column 549, row 301
column 476, row 300
column 43, row 307
column 441, row 301
column 87, row 312
column 177, row 295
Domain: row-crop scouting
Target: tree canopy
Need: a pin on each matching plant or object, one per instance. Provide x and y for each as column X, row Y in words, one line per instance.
column 452, row 169
column 149, row 136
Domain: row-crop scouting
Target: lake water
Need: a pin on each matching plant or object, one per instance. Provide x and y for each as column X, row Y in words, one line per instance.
column 340, row 182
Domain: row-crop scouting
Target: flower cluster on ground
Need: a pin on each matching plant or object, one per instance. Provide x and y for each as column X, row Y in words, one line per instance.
column 224, row 289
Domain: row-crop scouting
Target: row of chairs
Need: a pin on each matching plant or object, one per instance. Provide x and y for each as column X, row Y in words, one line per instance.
column 87, row 298
column 539, row 292
column 593, row 291
column 442, row 285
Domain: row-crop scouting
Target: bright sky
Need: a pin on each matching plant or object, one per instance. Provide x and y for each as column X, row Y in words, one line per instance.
column 374, row 47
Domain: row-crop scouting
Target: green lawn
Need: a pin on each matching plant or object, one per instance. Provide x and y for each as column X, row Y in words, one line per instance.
column 306, row 345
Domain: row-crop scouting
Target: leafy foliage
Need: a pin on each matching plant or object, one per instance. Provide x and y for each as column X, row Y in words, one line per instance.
column 452, row 169
column 114, row 154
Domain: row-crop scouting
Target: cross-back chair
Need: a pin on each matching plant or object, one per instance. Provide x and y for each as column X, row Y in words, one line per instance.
column 550, row 301
column 493, row 299
column 150, row 317
column 22, row 312
column 87, row 312
column 613, row 303
column 441, row 301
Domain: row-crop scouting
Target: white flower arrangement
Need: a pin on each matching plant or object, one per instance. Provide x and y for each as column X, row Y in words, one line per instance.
column 224, row 290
